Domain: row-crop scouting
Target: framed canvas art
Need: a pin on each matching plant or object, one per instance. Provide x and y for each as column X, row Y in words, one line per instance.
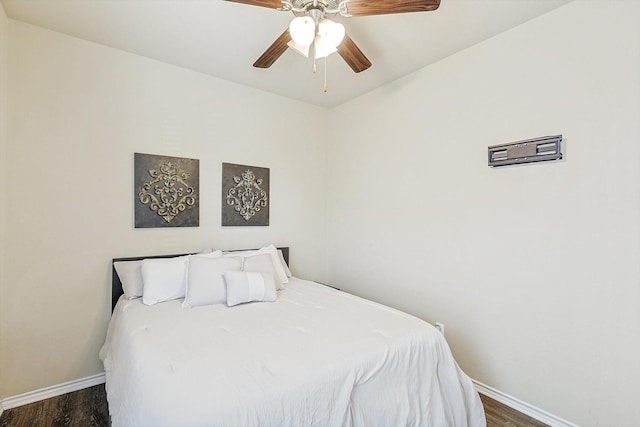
column 245, row 195
column 166, row 191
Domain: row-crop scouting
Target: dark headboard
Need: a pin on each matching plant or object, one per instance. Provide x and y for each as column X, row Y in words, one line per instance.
column 116, row 284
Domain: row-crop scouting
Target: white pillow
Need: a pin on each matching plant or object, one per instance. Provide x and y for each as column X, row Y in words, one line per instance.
column 205, row 284
column 130, row 276
column 279, row 264
column 165, row 279
column 261, row 263
column 246, row 286
column 280, row 274
column 284, row 264
column 212, row 254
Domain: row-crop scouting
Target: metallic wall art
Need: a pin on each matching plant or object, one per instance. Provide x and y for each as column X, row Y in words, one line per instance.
column 245, row 195
column 528, row 151
column 166, row 191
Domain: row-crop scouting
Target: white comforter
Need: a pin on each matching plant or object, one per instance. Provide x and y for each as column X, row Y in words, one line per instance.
column 315, row 357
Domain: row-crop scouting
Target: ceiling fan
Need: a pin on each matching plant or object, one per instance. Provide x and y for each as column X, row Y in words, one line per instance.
column 312, row 26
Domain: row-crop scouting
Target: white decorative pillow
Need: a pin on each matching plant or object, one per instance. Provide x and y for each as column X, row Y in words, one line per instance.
column 246, row 286
column 205, row 284
column 280, row 274
column 130, row 276
column 165, row 279
column 284, row 264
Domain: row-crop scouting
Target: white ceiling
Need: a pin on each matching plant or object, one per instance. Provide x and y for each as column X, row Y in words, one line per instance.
column 223, row 39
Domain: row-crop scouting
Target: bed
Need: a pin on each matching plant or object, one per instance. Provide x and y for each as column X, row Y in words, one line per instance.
column 314, row 356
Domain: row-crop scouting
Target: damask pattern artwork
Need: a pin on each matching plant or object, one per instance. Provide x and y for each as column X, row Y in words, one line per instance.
column 166, row 191
column 245, row 195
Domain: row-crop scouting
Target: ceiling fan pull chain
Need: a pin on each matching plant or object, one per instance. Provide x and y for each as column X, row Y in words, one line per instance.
column 314, row 69
column 325, row 74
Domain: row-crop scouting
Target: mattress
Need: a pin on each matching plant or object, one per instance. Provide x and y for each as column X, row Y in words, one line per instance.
column 314, row 357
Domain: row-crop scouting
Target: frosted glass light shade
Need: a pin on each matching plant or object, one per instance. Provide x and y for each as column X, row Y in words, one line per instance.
column 302, row 30
column 323, row 47
column 332, row 31
column 330, row 35
column 302, row 49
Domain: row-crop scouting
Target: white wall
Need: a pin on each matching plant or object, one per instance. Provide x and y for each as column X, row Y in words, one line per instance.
column 4, row 55
column 534, row 269
column 77, row 113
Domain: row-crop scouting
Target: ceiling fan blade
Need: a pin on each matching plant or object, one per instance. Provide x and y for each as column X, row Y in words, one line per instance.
column 274, row 51
column 271, row 4
column 352, row 55
column 385, row 7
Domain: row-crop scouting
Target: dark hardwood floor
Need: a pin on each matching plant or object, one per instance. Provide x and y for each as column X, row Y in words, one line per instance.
column 500, row 415
column 84, row 408
column 88, row 408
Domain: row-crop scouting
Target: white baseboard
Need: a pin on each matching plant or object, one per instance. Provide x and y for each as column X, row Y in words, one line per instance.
column 53, row 391
column 71, row 386
column 520, row 406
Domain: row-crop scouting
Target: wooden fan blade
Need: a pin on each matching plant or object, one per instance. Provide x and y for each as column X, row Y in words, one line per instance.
column 385, row 7
column 274, row 51
column 352, row 55
column 271, row 4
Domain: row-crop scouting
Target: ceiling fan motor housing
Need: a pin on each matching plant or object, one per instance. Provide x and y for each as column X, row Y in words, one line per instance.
column 317, row 9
